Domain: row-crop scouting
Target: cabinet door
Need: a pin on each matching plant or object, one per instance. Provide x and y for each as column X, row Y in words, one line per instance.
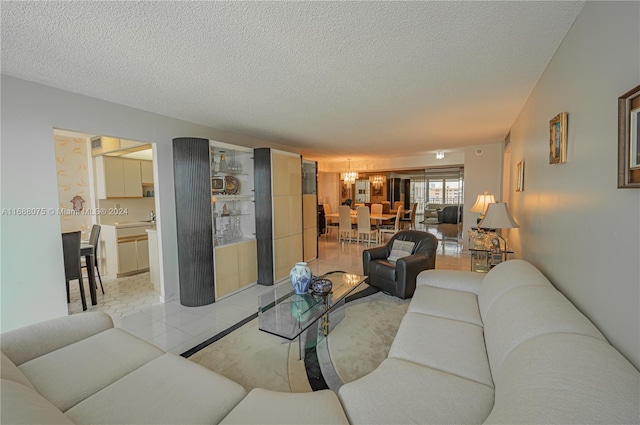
column 146, row 169
column 142, row 247
column 247, row 263
column 226, row 267
column 132, row 178
column 127, row 257
column 113, row 176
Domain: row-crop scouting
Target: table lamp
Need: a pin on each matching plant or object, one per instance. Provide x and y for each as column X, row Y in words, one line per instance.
column 498, row 217
column 482, row 202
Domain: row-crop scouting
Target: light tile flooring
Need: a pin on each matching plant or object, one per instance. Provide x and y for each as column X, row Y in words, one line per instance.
column 136, row 307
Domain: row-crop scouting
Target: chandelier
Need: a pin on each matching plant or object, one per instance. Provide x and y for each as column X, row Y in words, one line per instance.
column 350, row 177
column 377, row 181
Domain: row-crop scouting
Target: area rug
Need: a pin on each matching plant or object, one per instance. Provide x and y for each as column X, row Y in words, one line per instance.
column 354, row 348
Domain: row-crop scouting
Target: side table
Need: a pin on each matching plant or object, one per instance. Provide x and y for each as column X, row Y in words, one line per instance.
column 481, row 259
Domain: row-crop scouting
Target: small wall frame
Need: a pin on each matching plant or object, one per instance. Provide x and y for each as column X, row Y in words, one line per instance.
column 629, row 139
column 520, row 181
column 558, row 139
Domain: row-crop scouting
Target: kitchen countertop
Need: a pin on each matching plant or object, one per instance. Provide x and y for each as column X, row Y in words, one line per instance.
column 126, row 224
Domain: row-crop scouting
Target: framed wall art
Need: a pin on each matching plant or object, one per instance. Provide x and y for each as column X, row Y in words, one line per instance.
column 628, row 140
column 520, row 181
column 558, row 139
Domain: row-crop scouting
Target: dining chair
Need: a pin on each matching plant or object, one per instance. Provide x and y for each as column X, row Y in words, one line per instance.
column 364, row 225
column 330, row 224
column 345, row 226
column 411, row 220
column 72, row 269
column 398, row 204
column 376, row 208
column 392, row 229
column 94, row 240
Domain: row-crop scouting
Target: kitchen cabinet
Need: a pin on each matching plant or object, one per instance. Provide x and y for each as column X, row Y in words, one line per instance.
column 279, row 231
column 146, row 170
column 126, row 248
column 118, row 177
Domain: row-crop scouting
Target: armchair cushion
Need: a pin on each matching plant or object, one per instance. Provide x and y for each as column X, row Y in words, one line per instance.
column 400, row 249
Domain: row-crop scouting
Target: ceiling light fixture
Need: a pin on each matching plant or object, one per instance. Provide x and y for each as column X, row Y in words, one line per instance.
column 350, row 177
column 439, row 154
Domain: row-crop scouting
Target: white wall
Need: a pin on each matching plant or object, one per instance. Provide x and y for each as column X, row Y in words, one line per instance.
column 481, row 172
column 577, row 227
column 32, row 275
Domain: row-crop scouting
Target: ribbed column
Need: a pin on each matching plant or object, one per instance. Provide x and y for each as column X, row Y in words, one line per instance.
column 192, row 179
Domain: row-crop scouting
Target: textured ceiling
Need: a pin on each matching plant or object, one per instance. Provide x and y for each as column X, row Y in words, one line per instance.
column 328, row 78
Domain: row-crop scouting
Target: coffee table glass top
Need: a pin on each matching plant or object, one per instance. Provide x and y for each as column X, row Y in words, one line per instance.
column 284, row 313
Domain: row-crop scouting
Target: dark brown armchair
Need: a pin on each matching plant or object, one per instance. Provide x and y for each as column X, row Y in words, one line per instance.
column 399, row 278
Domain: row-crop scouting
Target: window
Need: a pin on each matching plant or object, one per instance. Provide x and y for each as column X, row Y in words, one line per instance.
column 445, row 186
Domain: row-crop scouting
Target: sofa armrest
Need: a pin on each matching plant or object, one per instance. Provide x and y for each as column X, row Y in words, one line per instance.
column 29, row 342
column 452, row 279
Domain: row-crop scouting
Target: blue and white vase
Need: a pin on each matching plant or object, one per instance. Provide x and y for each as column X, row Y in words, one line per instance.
column 300, row 276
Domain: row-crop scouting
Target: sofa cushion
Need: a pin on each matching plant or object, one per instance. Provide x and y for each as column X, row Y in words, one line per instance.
column 401, row 392
column 446, row 303
column 528, row 311
column 566, row 379
column 29, row 342
column 23, row 405
column 72, row 373
column 11, row 372
column 448, row 345
column 504, row 277
column 272, row 407
column 167, row 390
column 451, row 279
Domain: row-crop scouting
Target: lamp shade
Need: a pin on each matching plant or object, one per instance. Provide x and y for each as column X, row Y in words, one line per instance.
column 498, row 217
column 482, row 202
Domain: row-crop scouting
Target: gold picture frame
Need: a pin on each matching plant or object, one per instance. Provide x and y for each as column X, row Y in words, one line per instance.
column 520, row 181
column 629, row 139
column 558, row 139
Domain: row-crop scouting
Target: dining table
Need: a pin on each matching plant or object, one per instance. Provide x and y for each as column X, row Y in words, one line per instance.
column 354, row 215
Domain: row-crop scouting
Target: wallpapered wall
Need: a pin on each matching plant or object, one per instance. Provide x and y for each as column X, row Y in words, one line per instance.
column 72, row 170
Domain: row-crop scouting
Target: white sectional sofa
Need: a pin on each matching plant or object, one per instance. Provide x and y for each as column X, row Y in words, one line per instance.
column 505, row 347
column 500, row 348
column 79, row 369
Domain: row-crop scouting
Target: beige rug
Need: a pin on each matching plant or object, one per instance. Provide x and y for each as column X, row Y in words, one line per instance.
column 357, row 346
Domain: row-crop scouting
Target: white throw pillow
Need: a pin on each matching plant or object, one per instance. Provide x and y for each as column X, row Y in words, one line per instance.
column 400, row 249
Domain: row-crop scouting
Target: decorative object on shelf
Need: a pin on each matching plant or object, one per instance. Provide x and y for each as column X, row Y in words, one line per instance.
column 217, row 185
column 629, row 139
column 498, row 217
column 225, row 210
column 321, row 286
column 300, row 276
column 223, row 167
column 231, row 185
column 482, row 202
column 558, row 139
column 496, row 252
column 520, row 181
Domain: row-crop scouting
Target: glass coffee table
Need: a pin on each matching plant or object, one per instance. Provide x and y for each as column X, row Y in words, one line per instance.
column 286, row 314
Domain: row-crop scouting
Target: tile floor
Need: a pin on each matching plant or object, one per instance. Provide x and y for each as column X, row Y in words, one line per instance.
column 136, row 307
